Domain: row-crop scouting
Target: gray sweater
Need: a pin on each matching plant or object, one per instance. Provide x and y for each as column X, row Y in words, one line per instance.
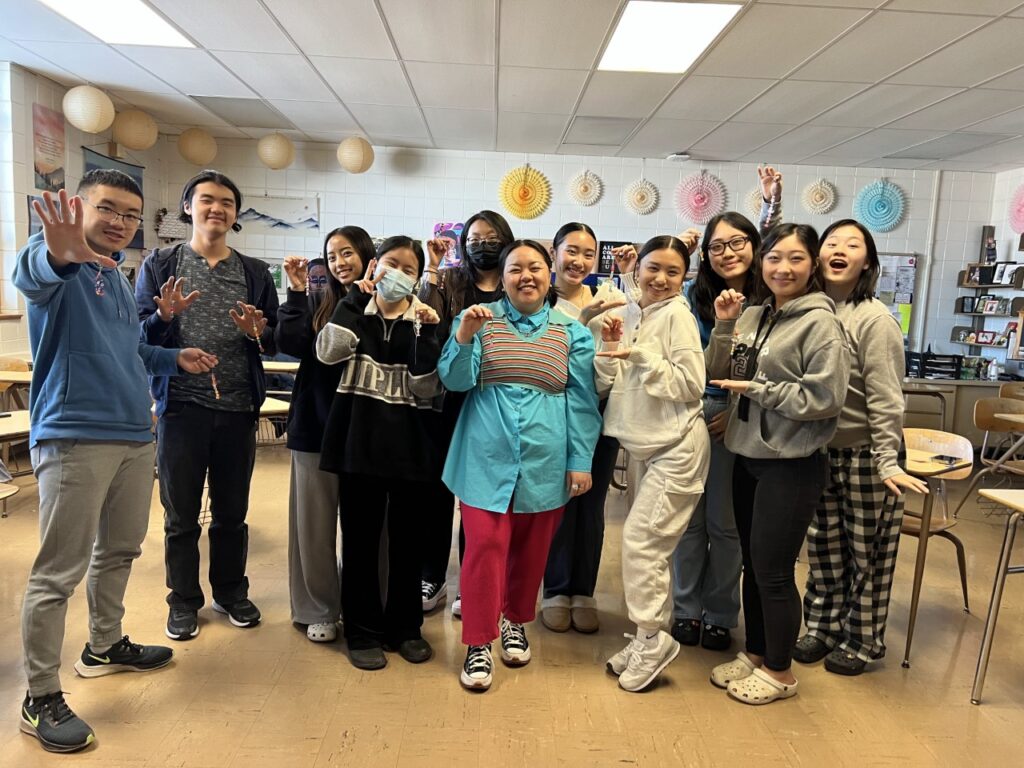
column 873, row 412
column 800, row 385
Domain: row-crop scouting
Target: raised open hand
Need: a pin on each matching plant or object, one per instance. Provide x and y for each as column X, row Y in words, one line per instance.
column 249, row 320
column 64, row 231
column 771, row 182
column 171, row 302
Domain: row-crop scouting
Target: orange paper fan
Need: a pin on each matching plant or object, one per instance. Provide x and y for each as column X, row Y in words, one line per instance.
column 525, row 192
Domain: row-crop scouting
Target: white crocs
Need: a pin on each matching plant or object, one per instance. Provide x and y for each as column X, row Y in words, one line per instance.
column 736, row 669
column 760, row 688
column 326, row 632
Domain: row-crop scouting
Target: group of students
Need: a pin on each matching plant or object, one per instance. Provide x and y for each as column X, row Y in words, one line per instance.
column 759, row 404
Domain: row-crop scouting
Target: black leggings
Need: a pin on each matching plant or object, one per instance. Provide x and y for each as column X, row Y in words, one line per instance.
column 774, row 501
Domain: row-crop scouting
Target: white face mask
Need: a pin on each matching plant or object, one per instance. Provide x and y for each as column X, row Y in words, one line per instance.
column 395, row 285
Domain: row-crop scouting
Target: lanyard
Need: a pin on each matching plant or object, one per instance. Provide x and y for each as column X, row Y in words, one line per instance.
column 745, row 358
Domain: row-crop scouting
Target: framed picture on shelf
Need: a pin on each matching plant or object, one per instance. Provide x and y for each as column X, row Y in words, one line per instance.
column 1004, row 337
column 997, row 277
column 985, row 337
column 990, row 307
column 1009, row 273
column 1004, row 307
column 966, row 304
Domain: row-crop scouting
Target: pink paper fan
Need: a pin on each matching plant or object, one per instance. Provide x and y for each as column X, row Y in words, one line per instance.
column 700, row 197
column 1016, row 211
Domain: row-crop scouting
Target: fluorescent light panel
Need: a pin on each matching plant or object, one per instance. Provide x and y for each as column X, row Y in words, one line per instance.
column 120, row 22
column 664, row 36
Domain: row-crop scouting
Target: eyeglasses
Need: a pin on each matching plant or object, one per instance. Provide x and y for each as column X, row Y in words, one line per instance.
column 717, row 247
column 474, row 241
column 109, row 215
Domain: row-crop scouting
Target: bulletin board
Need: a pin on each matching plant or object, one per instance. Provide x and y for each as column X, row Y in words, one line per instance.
column 896, row 286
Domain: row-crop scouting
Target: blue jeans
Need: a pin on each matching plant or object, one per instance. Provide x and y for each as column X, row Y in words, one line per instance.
column 707, row 562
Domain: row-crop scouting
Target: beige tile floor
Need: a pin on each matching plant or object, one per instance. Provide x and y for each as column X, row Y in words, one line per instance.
column 268, row 697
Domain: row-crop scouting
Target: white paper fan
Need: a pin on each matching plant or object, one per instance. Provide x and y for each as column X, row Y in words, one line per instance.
column 819, row 197
column 754, row 199
column 641, row 197
column 585, row 188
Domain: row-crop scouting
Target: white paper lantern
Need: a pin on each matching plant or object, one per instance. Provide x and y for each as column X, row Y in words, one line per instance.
column 135, row 129
column 275, row 151
column 88, row 109
column 355, row 154
column 197, row 146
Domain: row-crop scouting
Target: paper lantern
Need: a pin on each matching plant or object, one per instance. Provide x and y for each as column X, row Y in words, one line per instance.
column 88, row 109
column 819, row 197
column 585, row 188
column 754, row 199
column 700, row 197
column 197, row 146
column 1016, row 212
column 640, row 197
column 525, row 192
column 135, row 129
column 355, row 154
column 879, row 206
column 275, row 151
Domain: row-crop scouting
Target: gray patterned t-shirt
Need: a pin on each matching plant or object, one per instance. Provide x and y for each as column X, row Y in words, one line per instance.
column 208, row 326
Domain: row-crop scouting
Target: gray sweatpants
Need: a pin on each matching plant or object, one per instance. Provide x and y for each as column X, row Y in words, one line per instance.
column 314, row 575
column 94, row 500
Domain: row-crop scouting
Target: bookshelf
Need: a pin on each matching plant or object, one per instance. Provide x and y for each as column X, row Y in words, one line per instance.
column 988, row 283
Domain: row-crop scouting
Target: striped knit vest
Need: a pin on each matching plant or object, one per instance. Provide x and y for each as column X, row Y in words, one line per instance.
column 541, row 362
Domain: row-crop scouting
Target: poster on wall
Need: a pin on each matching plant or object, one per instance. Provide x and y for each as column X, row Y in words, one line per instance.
column 48, row 148
column 276, row 273
column 94, row 160
column 605, row 259
column 280, row 216
column 896, row 286
column 449, row 232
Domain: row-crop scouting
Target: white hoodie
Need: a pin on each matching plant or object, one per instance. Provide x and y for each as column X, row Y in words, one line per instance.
column 655, row 399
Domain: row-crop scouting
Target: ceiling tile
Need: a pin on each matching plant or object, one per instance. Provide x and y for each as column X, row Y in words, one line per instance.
column 881, row 142
column 523, row 132
column 963, row 109
column 949, row 145
column 567, row 34
column 460, row 123
column 481, row 143
column 625, row 94
column 250, row 113
column 463, row 32
column 171, row 108
column 33, row 21
column 980, row 7
column 834, row 3
column 392, row 121
column 190, row 70
column 894, row 41
column 317, row 116
column 277, row 76
column 1011, row 122
column 240, row 25
column 1012, row 81
column 598, row 150
column 315, row 29
column 795, row 101
column 711, row 98
column 801, row 142
column 367, row 81
column 547, row 91
column 660, row 137
column 737, row 139
column 1011, row 151
column 981, row 55
column 461, row 86
column 882, row 104
column 610, row 131
column 14, row 52
column 795, row 33
column 100, row 65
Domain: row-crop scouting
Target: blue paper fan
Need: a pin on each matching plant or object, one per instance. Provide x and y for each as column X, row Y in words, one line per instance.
column 879, row 206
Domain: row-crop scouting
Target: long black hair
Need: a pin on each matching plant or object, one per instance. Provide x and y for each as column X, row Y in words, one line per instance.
column 363, row 245
column 808, row 237
column 551, row 298
column 865, row 287
column 709, row 284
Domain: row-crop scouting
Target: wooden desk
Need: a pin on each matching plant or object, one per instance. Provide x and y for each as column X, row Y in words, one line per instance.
column 16, row 380
column 274, row 407
column 16, row 377
column 1014, row 499
column 276, row 366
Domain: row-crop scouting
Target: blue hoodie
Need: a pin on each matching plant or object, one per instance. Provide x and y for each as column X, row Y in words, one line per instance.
column 89, row 371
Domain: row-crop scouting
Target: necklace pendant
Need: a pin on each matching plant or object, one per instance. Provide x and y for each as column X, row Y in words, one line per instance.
column 98, row 285
column 417, row 324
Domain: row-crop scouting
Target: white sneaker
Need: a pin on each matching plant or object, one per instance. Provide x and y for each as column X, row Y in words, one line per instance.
column 617, row 663
column 326, row 632
column 477, row 670
column 433, row 594
column 457, row 606
column 647, row 659
column 515, row 648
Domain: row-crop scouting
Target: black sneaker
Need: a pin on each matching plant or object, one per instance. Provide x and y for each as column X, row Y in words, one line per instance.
column 515, row 648
column 843, row 662
column 477, row 671
column 416, row 650
column 368, row 658
column 122, row 656
column 433, row 594
column 182, row 624
column 686, row 631
column 716, row 638
column 51, row 720
column 809, row 649
column 242, row 614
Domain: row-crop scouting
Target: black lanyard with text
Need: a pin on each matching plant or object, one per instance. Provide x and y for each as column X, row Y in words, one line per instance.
column 745, row 358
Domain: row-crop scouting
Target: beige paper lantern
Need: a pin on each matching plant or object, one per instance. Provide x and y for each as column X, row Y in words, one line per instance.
column 197, row 146
column 88, row 109
column 275, row 151
column 135, row 129
column 355, row 154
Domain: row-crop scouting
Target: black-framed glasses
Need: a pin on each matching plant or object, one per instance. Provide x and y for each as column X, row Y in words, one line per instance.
column 475, row 241
column 109, row 215
column 717, row 247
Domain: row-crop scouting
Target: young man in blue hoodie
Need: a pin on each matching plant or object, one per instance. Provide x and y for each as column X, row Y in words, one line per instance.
column 91, row 441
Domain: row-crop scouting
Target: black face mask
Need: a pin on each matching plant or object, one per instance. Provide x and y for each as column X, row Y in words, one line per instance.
column 484, row 256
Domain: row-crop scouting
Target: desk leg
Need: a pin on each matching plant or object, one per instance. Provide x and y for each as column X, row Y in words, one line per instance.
column 922, row 553
column 993, row 607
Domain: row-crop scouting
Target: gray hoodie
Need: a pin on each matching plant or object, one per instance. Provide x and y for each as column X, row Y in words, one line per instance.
column 800, row 385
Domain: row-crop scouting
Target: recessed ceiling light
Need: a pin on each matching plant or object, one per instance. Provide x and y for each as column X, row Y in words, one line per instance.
column 120, row 22
column 664, row 36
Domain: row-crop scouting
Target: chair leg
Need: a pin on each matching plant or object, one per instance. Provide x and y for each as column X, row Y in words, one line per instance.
column 922, row 553
column 961, row 561
column 970, row 489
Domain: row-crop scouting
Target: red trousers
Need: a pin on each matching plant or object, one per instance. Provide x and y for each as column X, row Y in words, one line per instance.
column 502, row 568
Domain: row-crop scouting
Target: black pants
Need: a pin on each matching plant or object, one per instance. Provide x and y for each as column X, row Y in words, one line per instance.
column 366, row 502
column 575, row 554
column 439, row 512
column 195, row 444
column 774, row 501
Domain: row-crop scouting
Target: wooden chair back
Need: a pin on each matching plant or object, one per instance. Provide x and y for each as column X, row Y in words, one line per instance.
column 986, row 408
column 1014, row 390
column 940, row 443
